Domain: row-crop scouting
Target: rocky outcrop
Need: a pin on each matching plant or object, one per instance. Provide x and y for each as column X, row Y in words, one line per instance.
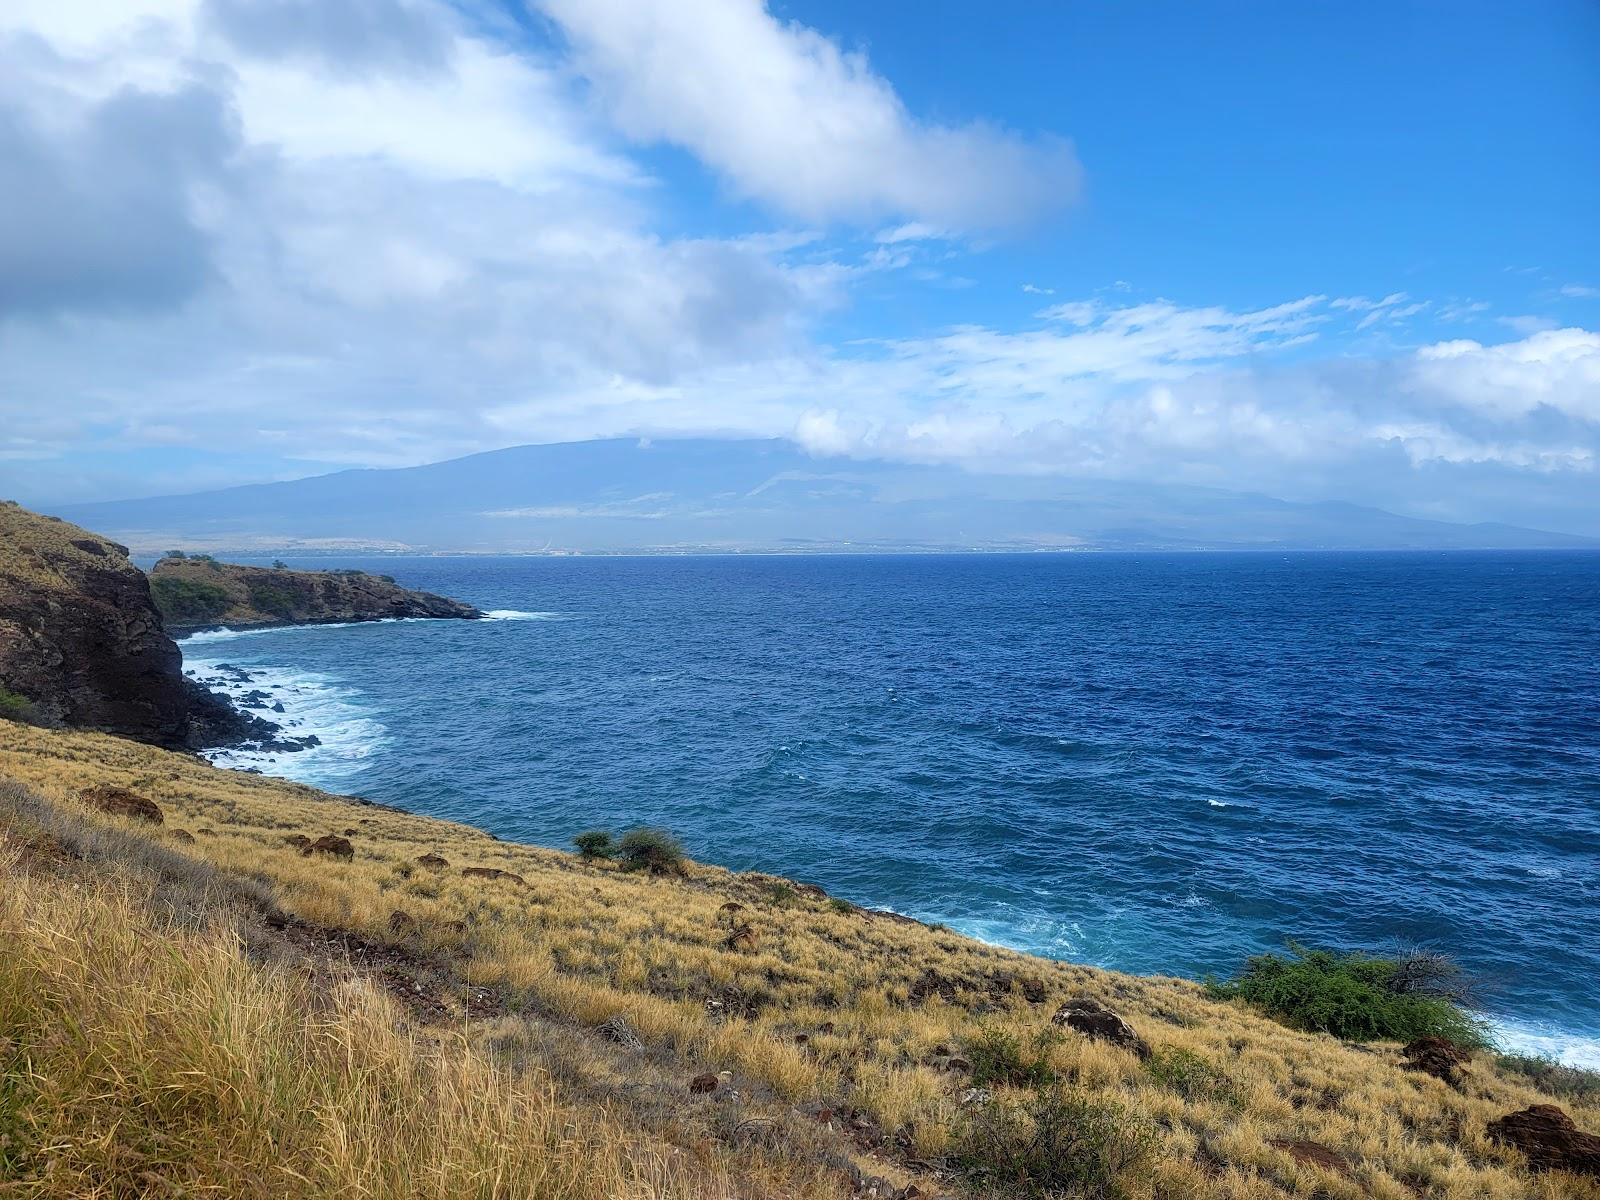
column 123, row 803
column 82, row 643
column 201, row 593
column 1548, row 1138
column 1094, row 1020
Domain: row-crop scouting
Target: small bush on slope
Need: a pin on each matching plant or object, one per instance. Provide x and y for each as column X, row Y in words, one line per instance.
column 654, row 851
column 999, row 1057
column 1357, row 997
column 1058, row 1142
column 593, row 844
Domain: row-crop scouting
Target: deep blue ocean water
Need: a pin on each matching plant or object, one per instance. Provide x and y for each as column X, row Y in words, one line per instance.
column 1159, row 763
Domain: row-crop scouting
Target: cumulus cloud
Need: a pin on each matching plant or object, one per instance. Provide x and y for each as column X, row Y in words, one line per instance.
column 790, row 118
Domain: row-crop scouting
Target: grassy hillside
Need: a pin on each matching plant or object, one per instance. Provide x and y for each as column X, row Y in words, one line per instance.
column 198, row 1001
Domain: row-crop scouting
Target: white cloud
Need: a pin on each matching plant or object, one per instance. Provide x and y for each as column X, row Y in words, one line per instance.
column 1579, row 291
column 790, row 118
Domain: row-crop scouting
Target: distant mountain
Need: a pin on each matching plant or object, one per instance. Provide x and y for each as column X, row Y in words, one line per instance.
column 706, row 495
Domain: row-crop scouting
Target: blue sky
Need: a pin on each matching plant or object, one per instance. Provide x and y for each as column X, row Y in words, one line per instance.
column 1326, row 252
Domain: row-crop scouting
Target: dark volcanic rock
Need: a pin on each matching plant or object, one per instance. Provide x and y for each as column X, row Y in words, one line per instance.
column 200, row 593
column 1549, row 1139
column 333, row 845
column 82, row 641
column 1095, row 1020
column 123, row 803
column 1435, row 1056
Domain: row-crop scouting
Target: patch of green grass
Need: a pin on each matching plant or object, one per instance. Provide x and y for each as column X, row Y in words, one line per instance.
column 16, row 708
column 1558, row 1079
column 270, row 598
column 781, row 895
column 1001, row 1057
column 188, row 601
column 1359, row 997
column 841, row 906
column 1193, row 1077
column 1056, row 1143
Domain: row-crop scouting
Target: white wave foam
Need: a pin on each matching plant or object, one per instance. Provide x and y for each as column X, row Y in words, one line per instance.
column 1571, row 1049
column 515, row 614
column 313, row 704
column 224, row 634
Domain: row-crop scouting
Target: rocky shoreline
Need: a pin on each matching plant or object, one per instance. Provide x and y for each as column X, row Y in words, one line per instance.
column 86, row 637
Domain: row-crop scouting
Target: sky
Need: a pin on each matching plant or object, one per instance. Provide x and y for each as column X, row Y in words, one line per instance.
column 1318, row 251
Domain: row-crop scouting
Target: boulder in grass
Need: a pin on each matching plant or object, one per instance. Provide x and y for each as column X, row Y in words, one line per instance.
column 120, row 802
column 333, row 846
column 1094, row 1020
column 1549, row 1140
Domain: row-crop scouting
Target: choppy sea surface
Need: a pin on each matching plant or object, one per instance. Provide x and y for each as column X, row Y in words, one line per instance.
column 1158, row 763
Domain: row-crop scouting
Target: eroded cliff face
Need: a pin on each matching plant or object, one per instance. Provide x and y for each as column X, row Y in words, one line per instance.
column 194, row 593
column 83, row 645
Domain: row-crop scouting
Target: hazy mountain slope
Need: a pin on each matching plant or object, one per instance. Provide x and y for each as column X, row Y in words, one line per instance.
column 708, row 494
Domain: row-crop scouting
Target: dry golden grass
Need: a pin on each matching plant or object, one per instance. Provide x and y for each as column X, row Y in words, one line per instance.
column 821, row 1013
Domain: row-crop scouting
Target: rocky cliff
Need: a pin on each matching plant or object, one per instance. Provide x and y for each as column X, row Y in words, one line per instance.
column 82, row 643
column 199, row 592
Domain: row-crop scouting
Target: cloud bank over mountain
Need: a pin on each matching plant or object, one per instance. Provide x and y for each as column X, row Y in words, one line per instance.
column 262, row 238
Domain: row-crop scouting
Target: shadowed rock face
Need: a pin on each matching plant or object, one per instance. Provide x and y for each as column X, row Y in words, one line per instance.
column 196, row 593
column 82, row 642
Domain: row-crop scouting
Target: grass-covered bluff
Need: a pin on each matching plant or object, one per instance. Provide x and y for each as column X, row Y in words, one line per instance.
column 196, row 591
column 200, row 1004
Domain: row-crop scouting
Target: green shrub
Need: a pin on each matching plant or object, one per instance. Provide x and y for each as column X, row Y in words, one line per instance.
column 279, row 565
column 188, row 601
column 1000, row 1057
column 270, row 598
column 652, row 850
column 1193, row 1077
column 1557, row 1079
column 1059, row 1142
column 840, row 906
column 594, row 843
column 174, row 554
column 781, row 895
column 1359, row 997
column 17, row 708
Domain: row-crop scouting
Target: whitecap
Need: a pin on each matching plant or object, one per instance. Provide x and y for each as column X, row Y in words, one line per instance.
column 348, row 732
column 1544, row 1041
column 516, row 614
column 224, row 634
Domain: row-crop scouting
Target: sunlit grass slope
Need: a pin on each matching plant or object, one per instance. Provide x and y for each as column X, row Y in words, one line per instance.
column 199, row 1003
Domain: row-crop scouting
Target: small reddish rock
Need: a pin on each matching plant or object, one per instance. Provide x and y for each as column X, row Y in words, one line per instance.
column 1312, row 1154
column 701, row 1085
column 332, row 845
column 1548, row 1138
column 433, row 862
column 120, row 802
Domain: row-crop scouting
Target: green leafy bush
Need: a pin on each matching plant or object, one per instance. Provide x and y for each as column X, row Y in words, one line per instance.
column 1058, row 1142
column 1360, row 997
column 1193, row 1077
column 188, row 601
column 16, row 708
column 174, row 554
column 781, row 895
column 652, row 850
column 594, row 843
column 1001, row 1057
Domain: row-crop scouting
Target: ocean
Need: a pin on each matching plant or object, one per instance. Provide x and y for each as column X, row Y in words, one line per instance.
column 1155, row 763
